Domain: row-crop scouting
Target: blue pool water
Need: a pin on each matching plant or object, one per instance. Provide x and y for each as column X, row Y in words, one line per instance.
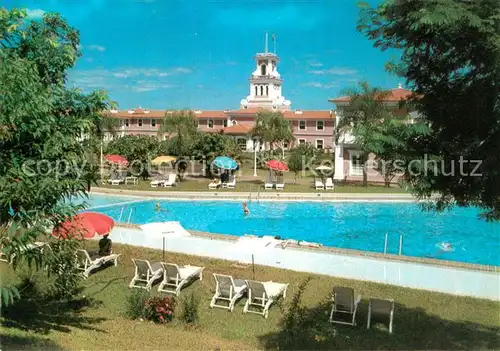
column 360, row 226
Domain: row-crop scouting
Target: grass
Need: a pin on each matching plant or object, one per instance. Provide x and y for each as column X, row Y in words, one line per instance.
column 246, row 182
column 423, row 320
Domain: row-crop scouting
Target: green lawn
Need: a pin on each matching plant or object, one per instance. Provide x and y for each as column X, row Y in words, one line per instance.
column 247, row 183
column 423, row 320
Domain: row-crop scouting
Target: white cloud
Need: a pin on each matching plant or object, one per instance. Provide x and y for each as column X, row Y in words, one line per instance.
column 35, row 13
column 96, row 48
column 182, row 70
column 314, row 63
column 339, row 71
column 321, row 85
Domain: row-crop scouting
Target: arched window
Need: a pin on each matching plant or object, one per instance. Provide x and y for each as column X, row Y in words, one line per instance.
column 256, row 91
column 263, row 70
column 267, row 89
column 261, row 90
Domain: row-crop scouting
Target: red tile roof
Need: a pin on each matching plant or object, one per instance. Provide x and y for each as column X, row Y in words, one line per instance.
column 237, row 129
column 394, row 95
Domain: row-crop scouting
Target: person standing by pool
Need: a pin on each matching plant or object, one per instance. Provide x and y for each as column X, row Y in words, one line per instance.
column 246, row 211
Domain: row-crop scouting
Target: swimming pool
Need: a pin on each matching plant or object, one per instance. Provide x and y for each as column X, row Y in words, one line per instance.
column 360, row 226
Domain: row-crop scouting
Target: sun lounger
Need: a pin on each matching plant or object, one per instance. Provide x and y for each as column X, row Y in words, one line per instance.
column 262, row 295
column 116, row 181
column 175, row 277
column 381, row 308
column 268, row 185
column 214, row 185
column 344, row 304
column 88, row 262
column 132, row 179
column 171, row 181
column 231, row 184
column 227, row 289
column 329, row 184
column 157, row 182
column 280, row 186
column 29, row 247
column 145, row 273
column 318, row 184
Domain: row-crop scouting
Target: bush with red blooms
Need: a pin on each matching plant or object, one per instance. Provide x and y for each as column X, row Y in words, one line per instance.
column 160, row 309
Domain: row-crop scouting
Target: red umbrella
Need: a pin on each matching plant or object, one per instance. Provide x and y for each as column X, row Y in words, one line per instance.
column 84, row 225
column 116, row 159
column 276, row 165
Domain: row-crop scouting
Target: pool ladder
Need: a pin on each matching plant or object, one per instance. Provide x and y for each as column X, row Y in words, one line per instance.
column 129, row 215
column 400, row 243
column 250, row 195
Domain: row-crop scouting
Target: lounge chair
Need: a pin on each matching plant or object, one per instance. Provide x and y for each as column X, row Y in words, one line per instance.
column 175, row 277
column 318, row 184
column 329, row 184
column 145, row 273
column 214, row 185
column 88, row 262
column 157, row 182
column 37, row 245
column 268, row 185
column 381, row 308
column 227, row 289
column 280, row 186
column 262, row 295
column 231, row 184
column 344, row 304
column 171, row 181
column 131, row 179
column 116, row 181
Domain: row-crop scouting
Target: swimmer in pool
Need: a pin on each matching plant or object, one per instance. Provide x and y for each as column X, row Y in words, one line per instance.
column 246, row 211
column 158, row 208
column 446, row 247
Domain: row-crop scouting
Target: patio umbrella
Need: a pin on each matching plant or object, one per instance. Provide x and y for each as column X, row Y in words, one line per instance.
column 276, row 165
column 163, row 159
column 84, row 225
column 116, row 159
column 225, row 162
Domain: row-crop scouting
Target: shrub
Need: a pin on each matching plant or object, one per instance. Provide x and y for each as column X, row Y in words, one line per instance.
column 160, row 309
column 190, row 306
column 136, row 303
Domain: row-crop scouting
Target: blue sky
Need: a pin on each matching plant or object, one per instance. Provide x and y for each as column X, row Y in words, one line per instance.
column 199, row 53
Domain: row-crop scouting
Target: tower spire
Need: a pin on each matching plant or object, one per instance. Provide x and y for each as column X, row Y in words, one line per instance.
column 266, row 43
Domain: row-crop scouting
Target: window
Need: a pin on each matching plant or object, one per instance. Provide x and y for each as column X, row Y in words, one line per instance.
column 356, row 163
column 285, row 145
column 242, row 143
column 261, row 90
column 263, row 70
column 320, row 125
column 302, row 125
column 153, row 122
column 139, row 122
column 197, row 123
column 302, row 141
column 319, row 144
column 224, row 123
column 267, row 89
column 126, row 122
column 210, row 123
column 256, row 91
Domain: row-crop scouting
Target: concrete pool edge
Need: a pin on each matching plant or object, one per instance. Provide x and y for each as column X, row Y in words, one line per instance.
column 265, row 196
column 462, row 281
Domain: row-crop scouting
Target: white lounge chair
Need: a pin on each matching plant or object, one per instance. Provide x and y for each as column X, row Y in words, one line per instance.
column 157, row 182
column 214, row 185
column 318, row 184
column 268, row 185
column 145, row 273
column 175, row 277
column 381, row 308
column 231, row 184
column 344, row 304
column 33, row 246
column 171, row 181
column 131, row 179
column 116, row 181
column 88, row 262
column 262, row 295
column 280, row 186
column 329, row 184
column 227, row 289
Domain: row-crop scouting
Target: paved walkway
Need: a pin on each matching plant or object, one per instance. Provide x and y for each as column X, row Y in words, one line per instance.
column 271, row 195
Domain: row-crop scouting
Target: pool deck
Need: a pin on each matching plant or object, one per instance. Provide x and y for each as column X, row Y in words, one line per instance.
column 265, row 196
column 428, row 274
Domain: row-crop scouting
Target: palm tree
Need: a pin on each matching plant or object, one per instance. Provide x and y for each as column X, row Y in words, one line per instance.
column 272, row 128
column 181, row 124
column 365, row 112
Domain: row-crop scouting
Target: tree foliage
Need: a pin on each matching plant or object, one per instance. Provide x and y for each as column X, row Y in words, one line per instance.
column 181, row 127
column 450, row 57
column 300, row 157
column 272, row 128
column 42, row 156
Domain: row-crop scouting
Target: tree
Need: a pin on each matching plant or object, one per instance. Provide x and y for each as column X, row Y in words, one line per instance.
column 366, row 110
column 300, row 157
column 450, row 57
column 272, row 128
column 42, row 155
column 182, row 126
column 139, row 150
column 208, row 146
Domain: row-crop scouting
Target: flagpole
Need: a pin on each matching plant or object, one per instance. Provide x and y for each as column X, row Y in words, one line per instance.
column 274, row 40
column 266, row 44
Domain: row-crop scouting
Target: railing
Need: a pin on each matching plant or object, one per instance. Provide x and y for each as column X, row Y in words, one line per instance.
column 400, row 251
